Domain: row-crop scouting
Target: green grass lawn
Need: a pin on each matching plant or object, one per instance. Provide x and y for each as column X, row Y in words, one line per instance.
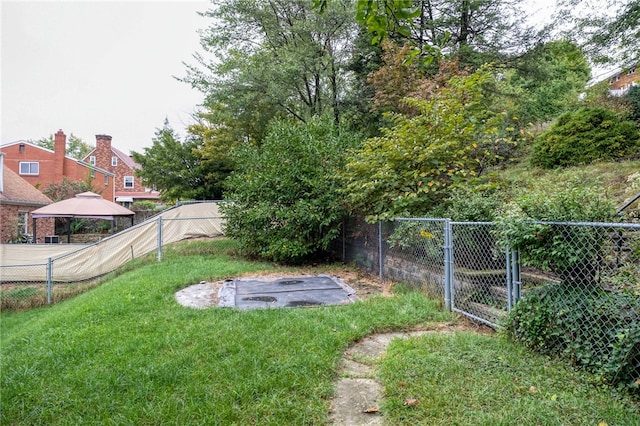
column 127, row 353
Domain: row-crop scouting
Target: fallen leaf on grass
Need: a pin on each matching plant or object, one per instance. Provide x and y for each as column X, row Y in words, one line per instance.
column 410, row 402
column 371, row 410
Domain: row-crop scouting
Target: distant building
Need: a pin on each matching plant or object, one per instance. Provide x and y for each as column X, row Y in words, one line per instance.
column 41, row 167
column 624, row 79
column 18, row 198
column 128, row 187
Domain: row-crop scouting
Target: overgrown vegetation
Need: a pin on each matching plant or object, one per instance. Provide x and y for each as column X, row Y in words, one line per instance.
column 449, row 142
column 283, row 200
column 584, row 136
column 598, row 330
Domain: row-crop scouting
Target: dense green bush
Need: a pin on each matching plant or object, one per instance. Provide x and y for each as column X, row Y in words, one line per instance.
column 571, row 252
column 633, row 98
column 598, row 330
column 144, row 205
column 584, row 136
column 283, row 193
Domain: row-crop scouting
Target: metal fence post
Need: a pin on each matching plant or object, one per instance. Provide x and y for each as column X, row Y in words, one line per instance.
column 159, row 238
column 515, row 275
column 448, row 265
column 344, row 240
column 49, row 280
column 509, row 280
column 380, row 249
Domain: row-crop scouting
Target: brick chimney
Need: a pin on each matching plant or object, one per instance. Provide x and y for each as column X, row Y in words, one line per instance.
column 103, row 142
column 103, row 151
column 59, row 150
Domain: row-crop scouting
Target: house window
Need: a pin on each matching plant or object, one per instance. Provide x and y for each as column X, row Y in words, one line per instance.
column 23, row 223
column 21, row 148
column 29, row 168
column 92, row 160
column 92, row 173
column 106, row 180
column 114, row 161
column 128, row 181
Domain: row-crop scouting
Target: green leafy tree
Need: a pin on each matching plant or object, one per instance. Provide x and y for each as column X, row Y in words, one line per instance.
column 413, row 165
column 215, row 142
column 68, row 188
column 584, row 136
column 174, row 167
column 545, row 82
column 274, row 58
column 474, row 32
column 283, row 194
column 76, row 147
column 609, row 36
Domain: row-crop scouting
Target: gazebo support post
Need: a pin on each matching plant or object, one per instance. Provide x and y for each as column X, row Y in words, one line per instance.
column 34, row 239
column 69, row 230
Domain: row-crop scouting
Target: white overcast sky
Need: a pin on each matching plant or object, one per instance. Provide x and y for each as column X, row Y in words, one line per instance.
column 97, row 67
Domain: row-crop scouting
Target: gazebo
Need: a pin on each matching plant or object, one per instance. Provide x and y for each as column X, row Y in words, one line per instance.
column 84, row 205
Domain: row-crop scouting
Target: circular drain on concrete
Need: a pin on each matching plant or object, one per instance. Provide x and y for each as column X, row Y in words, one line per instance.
column 261, row 299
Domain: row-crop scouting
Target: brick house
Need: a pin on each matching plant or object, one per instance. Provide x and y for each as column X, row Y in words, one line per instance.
column 18, row 198
column 128, row 187
column 623, row 79
column 40, row 166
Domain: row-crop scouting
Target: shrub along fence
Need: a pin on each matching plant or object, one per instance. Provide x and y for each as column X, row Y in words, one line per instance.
column 561, row 288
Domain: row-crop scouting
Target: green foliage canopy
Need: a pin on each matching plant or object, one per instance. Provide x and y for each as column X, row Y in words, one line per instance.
column 174, row 167
column 545, row 82
column 283, row 194
column 413, row 165
column 610, row 37
column 68, row 188
column 474, row 32
column 274, row 59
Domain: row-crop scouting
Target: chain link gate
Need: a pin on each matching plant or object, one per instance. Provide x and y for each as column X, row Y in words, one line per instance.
column 485, row 277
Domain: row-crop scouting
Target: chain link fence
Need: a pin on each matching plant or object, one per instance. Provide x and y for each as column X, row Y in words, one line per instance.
column 575, row 287
column 60, row 271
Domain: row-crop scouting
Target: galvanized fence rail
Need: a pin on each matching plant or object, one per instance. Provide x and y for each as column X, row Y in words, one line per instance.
column 483, row 269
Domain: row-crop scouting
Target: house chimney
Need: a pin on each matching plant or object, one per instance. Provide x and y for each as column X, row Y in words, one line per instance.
column 103, row 143
column 59, row 150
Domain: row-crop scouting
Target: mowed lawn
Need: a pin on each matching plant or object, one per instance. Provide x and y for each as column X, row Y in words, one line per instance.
column 126, row 353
